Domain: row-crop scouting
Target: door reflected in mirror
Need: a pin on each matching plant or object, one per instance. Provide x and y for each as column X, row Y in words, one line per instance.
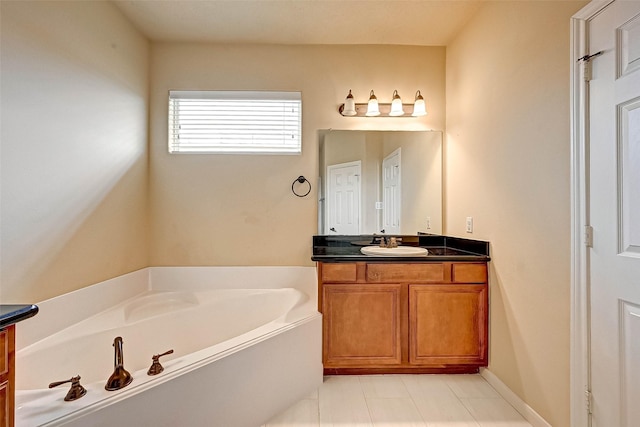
column 380, row 182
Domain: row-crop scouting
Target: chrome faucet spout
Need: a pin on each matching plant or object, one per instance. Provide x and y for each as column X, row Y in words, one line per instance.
column 120, row 377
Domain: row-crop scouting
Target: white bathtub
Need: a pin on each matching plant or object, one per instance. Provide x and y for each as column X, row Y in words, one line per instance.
column 246, row 341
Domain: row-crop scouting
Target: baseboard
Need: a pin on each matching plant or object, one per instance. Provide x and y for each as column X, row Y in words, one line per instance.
column 520, row 405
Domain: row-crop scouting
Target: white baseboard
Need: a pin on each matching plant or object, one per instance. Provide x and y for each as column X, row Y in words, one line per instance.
column 520, row 405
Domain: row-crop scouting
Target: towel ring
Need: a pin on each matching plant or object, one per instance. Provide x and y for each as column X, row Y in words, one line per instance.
column 301, row 179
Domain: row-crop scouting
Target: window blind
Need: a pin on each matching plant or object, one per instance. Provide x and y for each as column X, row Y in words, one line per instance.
column 235, row 122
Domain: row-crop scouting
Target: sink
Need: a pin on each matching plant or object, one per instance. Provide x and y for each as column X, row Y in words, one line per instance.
column 399, row 251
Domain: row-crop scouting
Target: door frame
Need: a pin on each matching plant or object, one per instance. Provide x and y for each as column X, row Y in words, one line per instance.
column 580, row 346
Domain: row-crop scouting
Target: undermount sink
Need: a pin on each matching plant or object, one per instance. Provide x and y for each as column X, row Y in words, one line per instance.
column 399, row 251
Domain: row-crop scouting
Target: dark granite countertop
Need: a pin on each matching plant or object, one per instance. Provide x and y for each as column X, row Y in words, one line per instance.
column 14, row 313
column 441, row 248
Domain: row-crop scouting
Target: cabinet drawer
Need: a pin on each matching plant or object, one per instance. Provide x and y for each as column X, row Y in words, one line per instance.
column 469, row 273
column 339, row 272
column 422, row 272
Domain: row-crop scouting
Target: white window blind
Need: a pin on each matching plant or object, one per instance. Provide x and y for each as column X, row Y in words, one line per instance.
column 235, row 122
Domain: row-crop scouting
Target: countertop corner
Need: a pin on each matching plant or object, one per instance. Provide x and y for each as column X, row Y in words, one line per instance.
column 14, row 313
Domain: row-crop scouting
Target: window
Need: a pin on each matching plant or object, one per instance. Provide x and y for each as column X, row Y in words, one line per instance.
column 235, row 122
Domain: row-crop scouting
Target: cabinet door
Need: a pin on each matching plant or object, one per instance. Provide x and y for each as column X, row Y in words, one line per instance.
column 448, row 325
column 4, row 355
column 4, row 404
column 362, row 325
column 7, row 376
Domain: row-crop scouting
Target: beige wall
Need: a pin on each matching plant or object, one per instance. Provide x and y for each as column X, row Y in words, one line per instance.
column 74, row 157
column 507, row 166
column 239, row 209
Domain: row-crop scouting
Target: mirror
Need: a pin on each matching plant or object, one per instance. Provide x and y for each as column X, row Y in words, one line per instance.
column 380, row 182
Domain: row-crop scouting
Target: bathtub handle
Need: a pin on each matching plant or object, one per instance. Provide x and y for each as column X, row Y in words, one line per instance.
column 156, row 367
column 75, row 392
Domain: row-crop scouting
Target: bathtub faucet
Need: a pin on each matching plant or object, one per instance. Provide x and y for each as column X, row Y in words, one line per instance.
column 156, row 367
column 120, row 377
column 75, row 392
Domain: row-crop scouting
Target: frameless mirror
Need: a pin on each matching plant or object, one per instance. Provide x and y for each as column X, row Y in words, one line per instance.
column 380, row 182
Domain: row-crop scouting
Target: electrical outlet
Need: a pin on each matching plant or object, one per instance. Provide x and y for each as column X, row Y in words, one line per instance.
column 428, row 223
column 469, row 224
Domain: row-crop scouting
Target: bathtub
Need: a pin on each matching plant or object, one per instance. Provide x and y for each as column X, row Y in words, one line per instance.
column 246, row 342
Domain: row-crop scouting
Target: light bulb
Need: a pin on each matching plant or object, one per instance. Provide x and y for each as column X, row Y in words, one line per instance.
column 372, row 107
column 419, row 107
column 396, row 105
column 349, row 106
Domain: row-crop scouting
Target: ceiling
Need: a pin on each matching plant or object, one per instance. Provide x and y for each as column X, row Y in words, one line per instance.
column 404, row 22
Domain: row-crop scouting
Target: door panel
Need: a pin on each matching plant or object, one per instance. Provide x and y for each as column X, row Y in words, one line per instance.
column 343, row 198
column 629, row 176
column 628, row 47
column 391, row 192
column 614, row 213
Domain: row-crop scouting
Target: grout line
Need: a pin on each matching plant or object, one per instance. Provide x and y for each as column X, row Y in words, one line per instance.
column 366, row 401
column 412, row 397
column 318, row 408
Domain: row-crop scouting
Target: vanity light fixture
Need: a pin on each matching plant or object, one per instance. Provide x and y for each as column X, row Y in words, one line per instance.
column 375, row 109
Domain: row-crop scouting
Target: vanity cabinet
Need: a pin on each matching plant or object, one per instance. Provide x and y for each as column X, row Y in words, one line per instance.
column 384, row 317
column 7, row 349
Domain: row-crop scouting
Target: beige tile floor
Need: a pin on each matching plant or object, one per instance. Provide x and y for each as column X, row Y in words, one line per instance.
column 402, row 401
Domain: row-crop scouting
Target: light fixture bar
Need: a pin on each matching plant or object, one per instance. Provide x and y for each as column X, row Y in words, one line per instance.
column 373, row 108
column 385, row 109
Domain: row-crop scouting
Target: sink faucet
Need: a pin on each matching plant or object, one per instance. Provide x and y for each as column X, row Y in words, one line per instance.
column 388, row 242
column 120, row 377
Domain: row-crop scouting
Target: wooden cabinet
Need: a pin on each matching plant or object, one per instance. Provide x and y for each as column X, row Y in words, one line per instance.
column 403, row 317
column 446, row 324
column 362, row 325
column 7, row 349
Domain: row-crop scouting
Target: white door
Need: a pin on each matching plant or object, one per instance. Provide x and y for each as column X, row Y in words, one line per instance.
column 343, row 198
column 613, row 209
column 391, row 193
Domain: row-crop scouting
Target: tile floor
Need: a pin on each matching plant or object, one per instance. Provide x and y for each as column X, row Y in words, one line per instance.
column 402, row 401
